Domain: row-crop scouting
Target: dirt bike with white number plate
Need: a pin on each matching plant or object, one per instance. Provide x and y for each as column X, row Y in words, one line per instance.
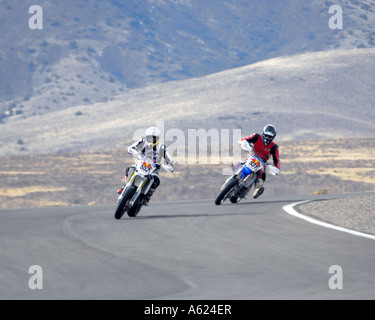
column 244, row 177
column 140, row 180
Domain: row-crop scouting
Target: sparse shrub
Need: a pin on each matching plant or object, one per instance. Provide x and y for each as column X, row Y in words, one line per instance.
column 323, row 191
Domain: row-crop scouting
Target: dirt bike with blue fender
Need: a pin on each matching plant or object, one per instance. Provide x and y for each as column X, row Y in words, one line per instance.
column 244, row 177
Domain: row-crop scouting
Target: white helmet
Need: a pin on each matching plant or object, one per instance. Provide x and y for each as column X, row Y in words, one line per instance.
column 152, row 136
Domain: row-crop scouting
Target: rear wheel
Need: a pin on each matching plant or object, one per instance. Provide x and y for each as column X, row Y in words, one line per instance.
column 223, row 194
column 122, row 207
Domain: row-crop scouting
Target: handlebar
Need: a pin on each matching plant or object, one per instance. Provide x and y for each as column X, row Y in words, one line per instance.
column 133, row 151
column 167, row 167
column 246, row 146
column 274, row 170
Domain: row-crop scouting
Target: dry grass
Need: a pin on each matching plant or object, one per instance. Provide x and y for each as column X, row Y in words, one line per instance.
column 93, row 178
column 347, row 160
column 17, row 192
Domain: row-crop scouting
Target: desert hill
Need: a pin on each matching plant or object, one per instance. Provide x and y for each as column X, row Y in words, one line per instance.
column 319, row 95
column 76, row 93
column 89, row 51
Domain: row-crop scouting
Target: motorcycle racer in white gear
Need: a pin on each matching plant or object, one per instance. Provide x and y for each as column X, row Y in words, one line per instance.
column 150, row 147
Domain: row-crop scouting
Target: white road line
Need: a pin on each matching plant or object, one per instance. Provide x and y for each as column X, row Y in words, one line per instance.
column 290, row 209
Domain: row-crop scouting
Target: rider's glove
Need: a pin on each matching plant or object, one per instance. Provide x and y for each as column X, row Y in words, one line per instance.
column 274, row 170
column 245, row 145
column 170, row 167
column 132, row 150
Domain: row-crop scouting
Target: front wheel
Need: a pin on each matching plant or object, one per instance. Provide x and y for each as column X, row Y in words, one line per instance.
column 222, row 195
column 133, row 211
column 233, row 199
column 122, row 207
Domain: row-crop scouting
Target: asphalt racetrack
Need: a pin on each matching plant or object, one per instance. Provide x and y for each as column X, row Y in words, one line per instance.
column 180, row 250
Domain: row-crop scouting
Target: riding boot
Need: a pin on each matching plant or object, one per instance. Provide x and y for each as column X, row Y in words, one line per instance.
column 259, row 189
column 147, row 197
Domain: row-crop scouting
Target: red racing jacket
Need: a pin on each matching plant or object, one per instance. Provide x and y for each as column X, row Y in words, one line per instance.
column 264, row 151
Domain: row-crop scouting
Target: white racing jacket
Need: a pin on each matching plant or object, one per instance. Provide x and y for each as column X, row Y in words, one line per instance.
column 156, row 153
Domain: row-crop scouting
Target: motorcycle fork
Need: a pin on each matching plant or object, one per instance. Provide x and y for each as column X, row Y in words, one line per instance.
column 148, row 182
column 148, row 185
column 236, row 173
column 247, row 181
column 250, row 184
column 130, row 181
column 126, row 187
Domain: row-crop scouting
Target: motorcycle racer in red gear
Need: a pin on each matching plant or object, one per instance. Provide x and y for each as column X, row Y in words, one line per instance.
column 264, row 147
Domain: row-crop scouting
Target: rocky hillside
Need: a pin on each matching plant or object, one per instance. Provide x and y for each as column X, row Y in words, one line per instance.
column 89, row 50
column 322, row 95
column 76, row 92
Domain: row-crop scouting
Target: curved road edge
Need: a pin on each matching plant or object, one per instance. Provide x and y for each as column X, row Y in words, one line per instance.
column 290, row 209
